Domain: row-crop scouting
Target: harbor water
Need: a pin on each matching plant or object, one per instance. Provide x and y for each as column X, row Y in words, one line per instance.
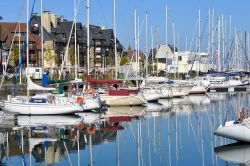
column 177, row 131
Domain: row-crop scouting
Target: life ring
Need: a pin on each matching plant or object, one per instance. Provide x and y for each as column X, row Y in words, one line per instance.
column 91, row 130
column 80, row 126
column 80, row 100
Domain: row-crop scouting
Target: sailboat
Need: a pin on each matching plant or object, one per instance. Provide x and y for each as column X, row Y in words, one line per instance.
column 37, row 105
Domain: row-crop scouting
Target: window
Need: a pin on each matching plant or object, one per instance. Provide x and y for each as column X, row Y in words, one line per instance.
column 179, row 58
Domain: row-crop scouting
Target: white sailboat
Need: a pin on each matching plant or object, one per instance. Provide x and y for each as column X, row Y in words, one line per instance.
column 36, row 105
column 235, row 130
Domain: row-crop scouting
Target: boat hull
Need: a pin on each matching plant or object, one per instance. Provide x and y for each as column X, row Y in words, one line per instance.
column 233, row 131
column 40, row 109
column 198, row 90
column 130, row 100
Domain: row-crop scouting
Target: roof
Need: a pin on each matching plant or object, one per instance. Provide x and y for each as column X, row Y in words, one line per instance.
column 7, row 32
column 164, row 51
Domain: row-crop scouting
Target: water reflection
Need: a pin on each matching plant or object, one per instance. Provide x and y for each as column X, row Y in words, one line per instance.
column 237, row 153
column 170, row 132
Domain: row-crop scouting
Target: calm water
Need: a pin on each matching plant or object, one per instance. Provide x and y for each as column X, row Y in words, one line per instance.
column 175, row 132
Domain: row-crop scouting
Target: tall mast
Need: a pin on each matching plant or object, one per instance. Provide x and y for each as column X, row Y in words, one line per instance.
column 27, row 44
column 166, row 38
column 19, row 50
column 42, row 51
column 223, row 39
column 209, row 36
column 75, row 39
column 88, row 3
column 212, row 40
column 146, row 45
column 116, row 67
column 174, row 50
column 138, row 47
column 199, row 41
column 135, row 52
column 219, row 61
column 152, row 49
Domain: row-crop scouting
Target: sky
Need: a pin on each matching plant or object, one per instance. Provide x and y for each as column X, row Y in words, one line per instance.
column 184, row 13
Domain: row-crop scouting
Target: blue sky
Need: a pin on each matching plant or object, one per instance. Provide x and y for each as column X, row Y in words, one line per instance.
column 183, row 12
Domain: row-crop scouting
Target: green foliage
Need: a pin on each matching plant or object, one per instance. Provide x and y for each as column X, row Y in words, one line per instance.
column 49, row 55
column 15, row 55
column 72, row 55
column 124, row 60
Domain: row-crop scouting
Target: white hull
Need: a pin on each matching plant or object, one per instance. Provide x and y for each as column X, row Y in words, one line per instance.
column 198, row 90
column 233, row 131
column 151, row 94
column 166, row 93
column 130, row 100
column 180, row 91
column 40, row 108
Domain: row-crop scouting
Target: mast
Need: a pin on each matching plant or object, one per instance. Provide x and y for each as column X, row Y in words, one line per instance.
column 116, row 67
column 146, row 75
column 219, row 61
column 199, row 41
column 135, row 40
column 152, row 49
column 42, row 51
column 75, row 39
column 88, row 6
column 174, row 50
column 166, row 38
column 213, row 39
column 157, row 47
column 138, row 48
column 19, row 50
column 27, row 45
column 223, row 39
column 209, row 37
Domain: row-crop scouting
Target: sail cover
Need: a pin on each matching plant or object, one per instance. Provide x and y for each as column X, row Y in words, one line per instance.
column 32, row 86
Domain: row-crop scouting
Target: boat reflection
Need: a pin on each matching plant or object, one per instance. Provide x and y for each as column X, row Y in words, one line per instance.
column 51, row 139
column 236, row 153
column 50, row 120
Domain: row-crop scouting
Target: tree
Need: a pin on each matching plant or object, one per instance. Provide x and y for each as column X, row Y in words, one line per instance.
column 124, row 60
column 14, row 56
column 72, row 55
column 49, row 56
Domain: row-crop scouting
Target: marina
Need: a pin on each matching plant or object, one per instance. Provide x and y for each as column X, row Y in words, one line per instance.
column 126, row 89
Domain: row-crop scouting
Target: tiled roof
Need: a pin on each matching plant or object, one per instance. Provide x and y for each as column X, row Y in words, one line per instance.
column 7, row 31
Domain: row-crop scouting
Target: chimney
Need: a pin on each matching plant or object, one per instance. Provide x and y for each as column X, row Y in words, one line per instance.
column 61, row 18
column 47, row 21
column 53, row 19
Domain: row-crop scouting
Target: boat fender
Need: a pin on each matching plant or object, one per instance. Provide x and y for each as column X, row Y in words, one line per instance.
column 80, row 100
column 91, row 130
column 80, row 126
column 93, row 92
column 87, row 92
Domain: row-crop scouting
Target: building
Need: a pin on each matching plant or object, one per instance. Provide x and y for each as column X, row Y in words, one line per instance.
column 9, row 32
column 57, row 36
column 166, row 59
